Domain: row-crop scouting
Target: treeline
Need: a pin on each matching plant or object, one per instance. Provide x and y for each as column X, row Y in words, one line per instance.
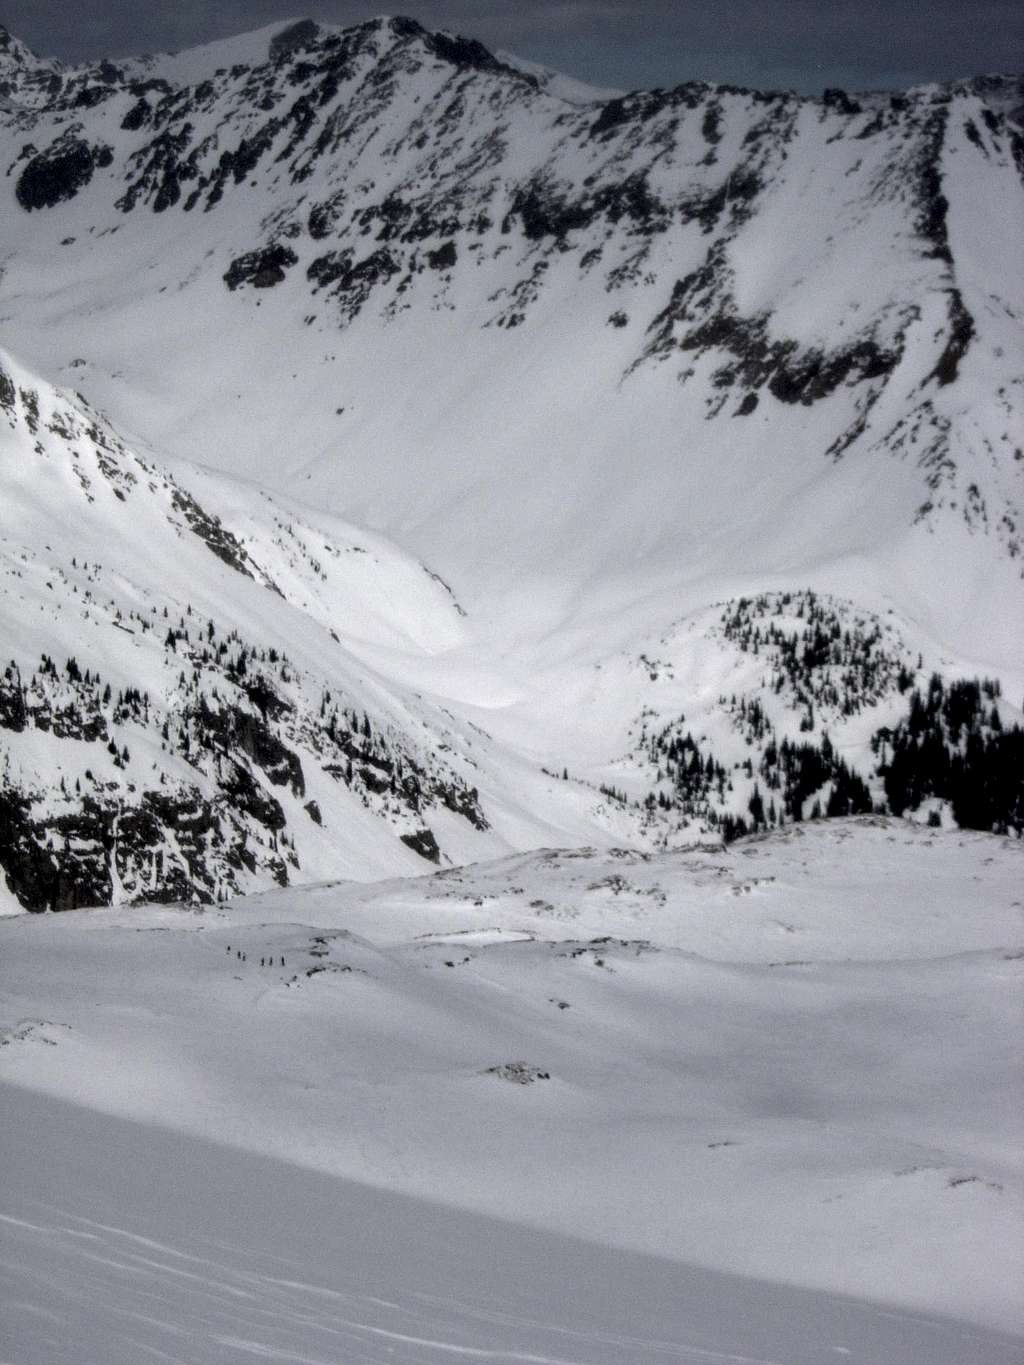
column 819, row 650
column 953, row 747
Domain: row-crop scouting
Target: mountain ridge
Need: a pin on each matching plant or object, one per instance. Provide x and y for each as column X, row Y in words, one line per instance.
column 613, row 370
column 299, row 32
column 665, row 228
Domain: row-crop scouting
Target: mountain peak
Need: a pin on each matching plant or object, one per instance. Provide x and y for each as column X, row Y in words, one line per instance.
column 15, row 52
column 295, row 35
column 26, row 79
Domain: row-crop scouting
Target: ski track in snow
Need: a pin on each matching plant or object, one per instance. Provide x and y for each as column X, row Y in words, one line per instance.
column 256, row 1259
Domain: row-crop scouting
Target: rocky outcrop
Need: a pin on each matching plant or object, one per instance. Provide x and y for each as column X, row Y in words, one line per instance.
column 56, row 175
column 135, row 833
column 262, row 268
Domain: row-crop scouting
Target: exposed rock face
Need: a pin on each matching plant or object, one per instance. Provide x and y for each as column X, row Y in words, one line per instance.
column 299, row 37
column 60, row 172
column 222, row 543
column 423, row 843
column 262, row 269
column 41, row 870
column 193, row 837
column 197, row 788
column 383, row 168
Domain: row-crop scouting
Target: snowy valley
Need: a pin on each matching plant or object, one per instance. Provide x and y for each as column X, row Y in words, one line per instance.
column 253, row 693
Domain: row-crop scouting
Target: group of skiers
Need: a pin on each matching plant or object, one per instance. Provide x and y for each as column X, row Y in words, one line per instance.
column 244, row 957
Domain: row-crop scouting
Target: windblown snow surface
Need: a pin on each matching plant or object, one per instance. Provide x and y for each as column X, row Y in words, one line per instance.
column 756, row 1104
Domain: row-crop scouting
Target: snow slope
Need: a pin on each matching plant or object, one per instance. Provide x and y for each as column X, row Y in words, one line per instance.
column 146, row 1240
column 795, row 1061
column 595, row 359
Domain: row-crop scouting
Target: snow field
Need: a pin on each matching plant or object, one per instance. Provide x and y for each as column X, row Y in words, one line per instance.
column 795, row 1061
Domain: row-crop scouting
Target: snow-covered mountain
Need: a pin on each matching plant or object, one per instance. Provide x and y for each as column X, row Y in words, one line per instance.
column 701, row 407
column 415, row 462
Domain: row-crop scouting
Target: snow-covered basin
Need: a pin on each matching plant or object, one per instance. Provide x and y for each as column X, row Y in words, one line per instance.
column 793, row 1063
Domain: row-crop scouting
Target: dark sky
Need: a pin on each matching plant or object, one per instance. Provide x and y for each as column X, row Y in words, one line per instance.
column 803, row 44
